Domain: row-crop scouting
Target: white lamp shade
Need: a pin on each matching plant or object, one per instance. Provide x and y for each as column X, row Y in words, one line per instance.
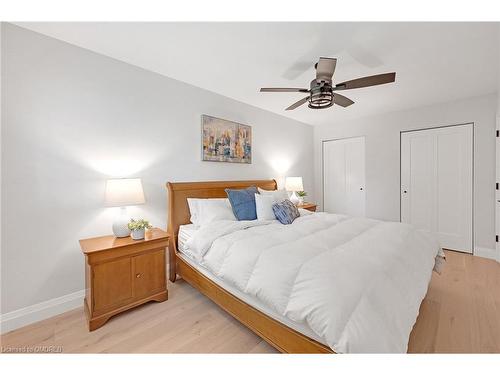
column 294, row 184
column 124, row 192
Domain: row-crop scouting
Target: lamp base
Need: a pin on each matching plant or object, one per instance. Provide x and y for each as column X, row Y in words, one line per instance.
column 294, row 198
column 120, row 225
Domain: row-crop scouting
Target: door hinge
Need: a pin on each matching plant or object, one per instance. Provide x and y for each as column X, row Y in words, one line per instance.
column 496, row 185
column 496, row 238
column 498, row 133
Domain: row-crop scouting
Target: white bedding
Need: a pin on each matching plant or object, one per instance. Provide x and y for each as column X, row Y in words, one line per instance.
column 357, row 283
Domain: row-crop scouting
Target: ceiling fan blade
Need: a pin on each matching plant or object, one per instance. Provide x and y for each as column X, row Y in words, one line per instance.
column 341, row 100
column 325, row 69
column 378, row 79
column 282, row 89
column 298, row 104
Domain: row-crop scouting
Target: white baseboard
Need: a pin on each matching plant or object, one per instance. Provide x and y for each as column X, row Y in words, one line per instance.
column 485, row 252
column 40, row 311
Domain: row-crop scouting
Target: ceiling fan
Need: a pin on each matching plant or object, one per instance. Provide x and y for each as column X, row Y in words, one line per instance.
column 322, row 93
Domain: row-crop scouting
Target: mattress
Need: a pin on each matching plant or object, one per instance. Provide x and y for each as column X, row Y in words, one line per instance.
column 185, row 233
column 248, row 299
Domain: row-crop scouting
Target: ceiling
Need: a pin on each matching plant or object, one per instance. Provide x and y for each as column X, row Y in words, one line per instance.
column 435, row 62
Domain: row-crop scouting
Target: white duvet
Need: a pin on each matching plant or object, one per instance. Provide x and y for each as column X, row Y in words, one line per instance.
column 357, row 283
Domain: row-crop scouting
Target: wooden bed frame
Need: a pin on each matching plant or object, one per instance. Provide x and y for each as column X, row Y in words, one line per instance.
column 282, row 337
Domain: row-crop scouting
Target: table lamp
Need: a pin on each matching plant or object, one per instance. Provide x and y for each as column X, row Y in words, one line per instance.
column 294, row 184
column 123, row 192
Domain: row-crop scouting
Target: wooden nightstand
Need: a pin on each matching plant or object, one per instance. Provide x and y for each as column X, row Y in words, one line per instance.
column 121, row 273
column 308, row 206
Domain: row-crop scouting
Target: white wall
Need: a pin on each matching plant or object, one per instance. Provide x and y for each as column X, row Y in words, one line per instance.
column 498, row 87
column 1, row 107
column 383, row 159
column 497, row 197
column 71, row 119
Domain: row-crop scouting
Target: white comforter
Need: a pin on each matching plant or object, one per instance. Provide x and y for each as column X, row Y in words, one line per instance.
column 358, row 283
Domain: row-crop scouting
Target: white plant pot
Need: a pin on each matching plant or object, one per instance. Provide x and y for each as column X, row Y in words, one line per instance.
column 137, row 234
column 301, row 200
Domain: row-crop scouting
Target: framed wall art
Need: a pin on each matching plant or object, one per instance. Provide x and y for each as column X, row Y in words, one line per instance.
column 225, row 141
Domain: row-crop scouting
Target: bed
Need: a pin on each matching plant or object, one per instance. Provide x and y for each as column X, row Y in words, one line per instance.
column 326, row 283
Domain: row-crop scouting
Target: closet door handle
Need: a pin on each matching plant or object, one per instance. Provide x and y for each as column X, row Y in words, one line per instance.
column 404, row 191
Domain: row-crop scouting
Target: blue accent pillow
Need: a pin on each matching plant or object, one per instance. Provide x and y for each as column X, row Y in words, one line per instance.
column 243, row 203
column 285, row 212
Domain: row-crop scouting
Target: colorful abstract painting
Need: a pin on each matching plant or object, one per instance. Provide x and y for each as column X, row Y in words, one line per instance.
column 225, row 140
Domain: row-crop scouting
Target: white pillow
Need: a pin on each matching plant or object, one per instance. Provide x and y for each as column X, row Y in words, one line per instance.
column 264, row 206
column 204, row 211
column 280, row 195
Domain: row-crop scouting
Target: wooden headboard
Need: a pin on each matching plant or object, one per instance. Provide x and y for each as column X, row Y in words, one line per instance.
column 178, row 209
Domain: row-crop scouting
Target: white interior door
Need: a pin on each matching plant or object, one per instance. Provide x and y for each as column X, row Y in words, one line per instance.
column 497, row 191
column 344, row 176
column 436, row 183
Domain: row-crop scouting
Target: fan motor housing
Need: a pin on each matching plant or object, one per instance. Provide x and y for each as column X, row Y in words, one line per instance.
column 321, row 95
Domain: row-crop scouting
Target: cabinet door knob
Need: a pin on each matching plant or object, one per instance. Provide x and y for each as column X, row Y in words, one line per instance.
column 138, row 275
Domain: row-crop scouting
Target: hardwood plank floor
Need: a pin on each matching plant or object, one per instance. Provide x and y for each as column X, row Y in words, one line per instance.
column 460, row 314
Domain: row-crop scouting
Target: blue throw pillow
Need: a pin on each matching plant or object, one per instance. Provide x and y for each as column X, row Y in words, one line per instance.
column 285, row 212
column 243, row 203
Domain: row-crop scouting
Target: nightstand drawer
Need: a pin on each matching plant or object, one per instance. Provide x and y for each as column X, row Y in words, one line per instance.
column 149, row 273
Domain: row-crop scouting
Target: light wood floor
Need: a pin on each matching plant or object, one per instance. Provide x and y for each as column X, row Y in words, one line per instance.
column 461, row 313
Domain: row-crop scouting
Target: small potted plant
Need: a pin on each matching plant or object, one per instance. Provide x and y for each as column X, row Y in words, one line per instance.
column 302, row 195
column 138, row 228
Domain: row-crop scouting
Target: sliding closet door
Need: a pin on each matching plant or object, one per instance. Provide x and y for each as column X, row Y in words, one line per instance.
column 436, row 183
column 344, row 176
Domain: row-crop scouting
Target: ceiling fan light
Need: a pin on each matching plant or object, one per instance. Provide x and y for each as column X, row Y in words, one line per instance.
column 320, row 99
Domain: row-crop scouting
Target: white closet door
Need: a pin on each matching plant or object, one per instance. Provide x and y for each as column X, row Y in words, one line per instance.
column 436, row 183
column 497, row 191
column 344, row 176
